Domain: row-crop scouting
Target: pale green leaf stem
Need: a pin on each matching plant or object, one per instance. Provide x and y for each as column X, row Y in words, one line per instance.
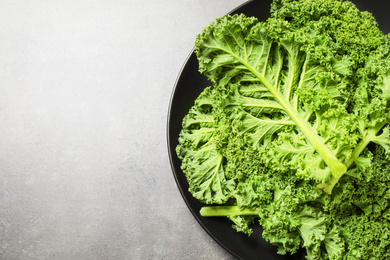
column 371, row 134
column 224, row 211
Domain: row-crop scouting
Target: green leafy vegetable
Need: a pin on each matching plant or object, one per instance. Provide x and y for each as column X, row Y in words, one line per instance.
column 294, row 131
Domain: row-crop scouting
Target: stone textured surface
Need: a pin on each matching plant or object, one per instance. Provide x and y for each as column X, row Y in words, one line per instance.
column 84, row 94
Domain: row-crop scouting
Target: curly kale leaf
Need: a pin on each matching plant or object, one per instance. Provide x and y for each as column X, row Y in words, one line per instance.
column 331, row 30
column 202, row 163
column 277, row 88
column 372, row 100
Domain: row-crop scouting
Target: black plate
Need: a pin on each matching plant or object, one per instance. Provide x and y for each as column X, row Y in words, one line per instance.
column 189, row 85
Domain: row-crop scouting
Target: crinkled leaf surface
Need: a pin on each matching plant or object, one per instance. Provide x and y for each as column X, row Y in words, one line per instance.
column 275, row 88
column 201, row 161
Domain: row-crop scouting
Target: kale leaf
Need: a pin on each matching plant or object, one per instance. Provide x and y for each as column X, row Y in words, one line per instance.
column 294, row 131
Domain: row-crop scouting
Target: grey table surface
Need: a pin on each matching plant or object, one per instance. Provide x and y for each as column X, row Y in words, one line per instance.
column 85, row 88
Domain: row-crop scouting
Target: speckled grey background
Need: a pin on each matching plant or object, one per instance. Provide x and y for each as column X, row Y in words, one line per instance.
column 84, row 94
